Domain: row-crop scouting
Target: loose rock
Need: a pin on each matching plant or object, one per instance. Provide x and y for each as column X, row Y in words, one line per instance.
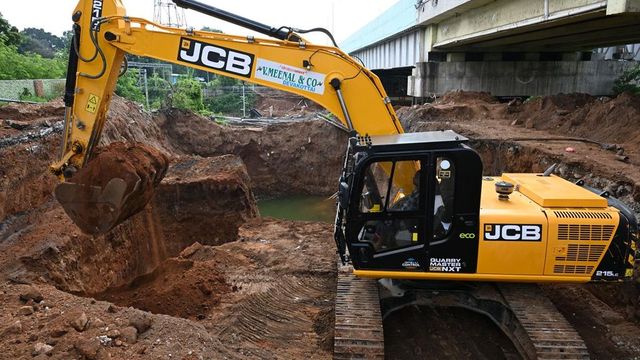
column 141, row 322
column 31, row 293
column 41, row 348
column 129, row 334
column 15, row 328
column 80, row 323
column 113, row 333
column 97, row 323
column 25, row 310
column 88, row 348
column 57, row 332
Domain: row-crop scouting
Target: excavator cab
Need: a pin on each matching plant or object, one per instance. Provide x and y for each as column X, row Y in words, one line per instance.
column 416, row 206
column 391, row 184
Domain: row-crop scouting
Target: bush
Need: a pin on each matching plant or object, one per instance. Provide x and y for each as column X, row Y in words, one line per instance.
column 14, row 65
column 228, row 100
column 128, row 88
column 188, row 95
column 629, row 81
column 230, row 103
column 159, row 92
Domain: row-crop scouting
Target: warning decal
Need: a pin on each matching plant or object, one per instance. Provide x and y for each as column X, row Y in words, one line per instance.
column 92, row 103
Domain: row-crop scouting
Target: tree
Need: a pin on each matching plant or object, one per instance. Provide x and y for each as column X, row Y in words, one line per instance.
column 188, row 95
column 41, row 42
column 14, row 65
column 159, row 92
column 629, row 81
column 128, row 88
column 227, row 97
column 9, row 35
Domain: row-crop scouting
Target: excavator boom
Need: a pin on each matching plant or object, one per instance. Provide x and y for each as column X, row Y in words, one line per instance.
column 103, row 35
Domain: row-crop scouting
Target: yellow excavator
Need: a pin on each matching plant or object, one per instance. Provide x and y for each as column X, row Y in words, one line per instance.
column 411, row 206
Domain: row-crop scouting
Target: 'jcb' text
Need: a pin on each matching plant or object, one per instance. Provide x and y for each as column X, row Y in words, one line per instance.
column 504, row 232
column 215, row 57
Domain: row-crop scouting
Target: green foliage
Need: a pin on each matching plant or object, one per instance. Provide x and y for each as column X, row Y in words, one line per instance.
column 128, row 88
column 159, row 92
column 188, row 95
column 228, row 99
column 230, row 103
column 9, row 35
column 532, row 98
column 629, row 81
column 14, row 65
column 26, row 95
column 40, row 42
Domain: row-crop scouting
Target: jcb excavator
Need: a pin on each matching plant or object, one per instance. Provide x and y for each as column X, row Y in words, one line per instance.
column 411, row 206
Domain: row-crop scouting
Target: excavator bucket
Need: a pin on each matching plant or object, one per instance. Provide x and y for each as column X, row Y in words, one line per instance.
column 115, row 185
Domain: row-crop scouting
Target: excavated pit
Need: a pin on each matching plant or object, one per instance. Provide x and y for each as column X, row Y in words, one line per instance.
column 252, row 288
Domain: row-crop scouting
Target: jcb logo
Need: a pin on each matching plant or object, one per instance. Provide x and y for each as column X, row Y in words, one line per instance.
column 215, row 57
column 506, row 232
column 467, row 236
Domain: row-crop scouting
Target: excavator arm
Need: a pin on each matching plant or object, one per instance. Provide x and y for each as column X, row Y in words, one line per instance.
column 103, row 35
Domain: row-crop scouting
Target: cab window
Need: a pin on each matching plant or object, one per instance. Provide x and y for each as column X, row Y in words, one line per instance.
column 392, row 187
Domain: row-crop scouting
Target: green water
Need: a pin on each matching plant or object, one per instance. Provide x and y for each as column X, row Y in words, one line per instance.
column 305, row 208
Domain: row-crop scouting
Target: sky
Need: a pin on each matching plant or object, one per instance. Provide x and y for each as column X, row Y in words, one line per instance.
column 342, row 17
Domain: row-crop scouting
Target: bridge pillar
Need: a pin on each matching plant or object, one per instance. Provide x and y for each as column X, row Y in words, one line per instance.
column 529, row 75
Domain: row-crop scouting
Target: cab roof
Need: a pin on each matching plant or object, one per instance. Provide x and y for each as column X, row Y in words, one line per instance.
column 427, row 140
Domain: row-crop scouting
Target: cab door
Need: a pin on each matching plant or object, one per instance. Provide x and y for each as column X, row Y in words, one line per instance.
column 387, row 228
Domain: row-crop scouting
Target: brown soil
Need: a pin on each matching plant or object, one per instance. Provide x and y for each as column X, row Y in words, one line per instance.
column 284, row 105
column 302, row 157
column 495, row 127
column 218, row 282
column 177, row 287
column 444, row 333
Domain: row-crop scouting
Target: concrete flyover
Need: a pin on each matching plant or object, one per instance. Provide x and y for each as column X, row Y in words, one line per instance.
column 507, row 47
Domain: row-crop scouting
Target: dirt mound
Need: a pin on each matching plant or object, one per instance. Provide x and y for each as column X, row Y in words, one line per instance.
column 63, row 326
column 32, row 112
column 127, row 121
column 116, row 184
column 607, row 120
column 467, row 97
column 284, row 104
column 458, row 106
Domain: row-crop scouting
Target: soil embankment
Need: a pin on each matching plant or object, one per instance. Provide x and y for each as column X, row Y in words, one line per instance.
column 207, row 278
column 194, row 252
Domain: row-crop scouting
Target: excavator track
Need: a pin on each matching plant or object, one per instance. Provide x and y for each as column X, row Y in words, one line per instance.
column 358, row 327
column 548, row 331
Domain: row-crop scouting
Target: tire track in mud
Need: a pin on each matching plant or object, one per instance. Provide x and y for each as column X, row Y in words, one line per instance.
column 277, row 313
